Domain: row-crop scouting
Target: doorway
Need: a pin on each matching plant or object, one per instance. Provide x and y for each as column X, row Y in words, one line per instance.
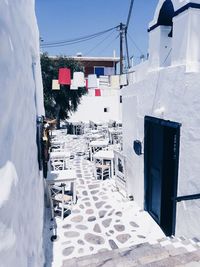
column 161, row 158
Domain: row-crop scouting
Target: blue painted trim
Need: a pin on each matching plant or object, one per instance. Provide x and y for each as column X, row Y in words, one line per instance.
column 187, row 6
column 177, row 12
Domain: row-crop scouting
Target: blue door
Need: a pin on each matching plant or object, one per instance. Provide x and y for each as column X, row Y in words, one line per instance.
column 161, row 156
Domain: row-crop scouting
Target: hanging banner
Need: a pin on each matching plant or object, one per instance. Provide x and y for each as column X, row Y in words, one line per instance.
column 114, row 81
column 73, row 86
column 86, row 84
column 64, row 76
column 55, row 85
column 104, row 81
column 78, row 79
column 92, row 81
column 123, row 79
column 97, row 92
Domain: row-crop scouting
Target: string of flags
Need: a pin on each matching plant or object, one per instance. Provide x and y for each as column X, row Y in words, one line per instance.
column 92, row 82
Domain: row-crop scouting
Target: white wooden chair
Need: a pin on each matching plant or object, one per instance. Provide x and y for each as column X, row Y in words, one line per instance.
column 57, row 164
column 101, row 169
column 59, row 201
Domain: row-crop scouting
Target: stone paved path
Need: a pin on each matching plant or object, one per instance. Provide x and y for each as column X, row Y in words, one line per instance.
column 102, row 219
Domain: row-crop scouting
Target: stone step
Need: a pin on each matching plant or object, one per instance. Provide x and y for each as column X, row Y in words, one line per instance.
column 145, row 254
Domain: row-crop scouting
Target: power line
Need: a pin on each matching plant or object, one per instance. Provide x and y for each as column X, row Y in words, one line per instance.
column 99, row 43
column 129, row 14
column 126, row 30
column 136, row 46
column 76, row 40
column 110, row 43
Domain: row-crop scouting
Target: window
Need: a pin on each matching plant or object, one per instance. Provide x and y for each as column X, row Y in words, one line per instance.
column 120, row 99
column 106, row 109
column 99, row 71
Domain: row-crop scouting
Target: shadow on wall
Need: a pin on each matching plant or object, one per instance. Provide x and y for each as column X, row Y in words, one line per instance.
column 47, row 234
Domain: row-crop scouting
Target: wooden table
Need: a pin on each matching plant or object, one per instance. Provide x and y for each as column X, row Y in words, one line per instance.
column 97, row 145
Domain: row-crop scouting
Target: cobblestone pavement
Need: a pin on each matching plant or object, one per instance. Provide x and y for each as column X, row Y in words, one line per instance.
column 102, row 219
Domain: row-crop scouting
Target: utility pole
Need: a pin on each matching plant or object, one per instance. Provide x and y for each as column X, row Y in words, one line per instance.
column 121, row 30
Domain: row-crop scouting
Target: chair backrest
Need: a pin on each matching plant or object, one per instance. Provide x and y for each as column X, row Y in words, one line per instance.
column 57, row 164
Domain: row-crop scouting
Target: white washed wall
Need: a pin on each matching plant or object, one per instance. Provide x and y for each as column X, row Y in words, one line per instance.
column 92, row 108
column 21, row 187
column 178, row 93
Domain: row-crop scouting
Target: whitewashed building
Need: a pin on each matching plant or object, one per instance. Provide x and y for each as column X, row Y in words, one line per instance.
column 161, row 121
column 21, row 101
column 105, row 105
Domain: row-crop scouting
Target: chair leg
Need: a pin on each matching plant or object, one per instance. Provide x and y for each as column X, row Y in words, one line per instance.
column 62, row 211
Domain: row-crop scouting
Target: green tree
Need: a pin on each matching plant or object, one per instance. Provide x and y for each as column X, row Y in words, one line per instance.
column 61, row 103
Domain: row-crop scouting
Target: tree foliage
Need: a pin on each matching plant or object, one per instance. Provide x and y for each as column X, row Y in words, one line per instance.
column 59, row 103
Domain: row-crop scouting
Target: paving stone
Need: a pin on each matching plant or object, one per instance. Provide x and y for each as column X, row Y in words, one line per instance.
column 87, row 204
column 81, row 227
column 108, row 207
column 81, row 242
column 75, row 211
column 111, row 231
column 97, row 228
column 85, row 193
column 67, row 226
column 93, row 186
column 77, row 218
column 119, row 227
column 85, row 199
column 122, row 238
column 68, row 251
column 141, row 236
column 81, row 206
column 91, row 218
column 71, row 234
column 111, row 212
column 107, row 222
column 89, row 211
column 81, row 181
column 117, row 221
column 95, row 198
column 118, row 213
column 102, row 213
column 112, row 244
column 134, row 224
column 94, row 239
column 99, row 204
column 93, row 192
column 91, row 248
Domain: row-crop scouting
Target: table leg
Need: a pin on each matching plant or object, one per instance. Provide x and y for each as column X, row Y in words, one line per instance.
column 73, row 189
column 90, row 153
column 112, row 169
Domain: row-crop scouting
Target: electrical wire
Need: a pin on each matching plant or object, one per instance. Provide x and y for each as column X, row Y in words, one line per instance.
column 129, row 14
column 99, row 43
column 136, row 46
column 110, row 43
column 76, row 40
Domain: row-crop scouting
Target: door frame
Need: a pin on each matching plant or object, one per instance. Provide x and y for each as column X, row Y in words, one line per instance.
column 148, row 120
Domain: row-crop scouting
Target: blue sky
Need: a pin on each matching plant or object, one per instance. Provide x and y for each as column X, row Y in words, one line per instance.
column 65, row 19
